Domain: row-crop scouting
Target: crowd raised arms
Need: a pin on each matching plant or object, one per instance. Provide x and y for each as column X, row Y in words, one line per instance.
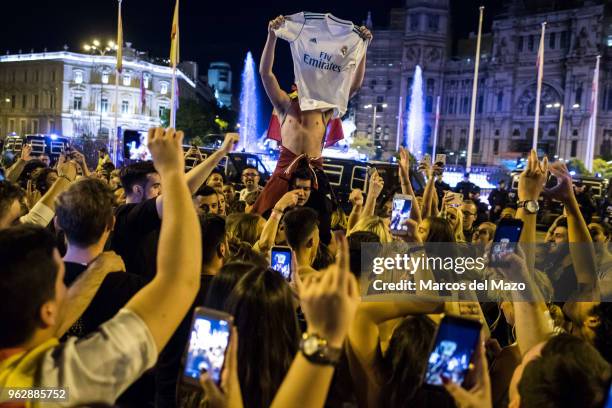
column 149, row 285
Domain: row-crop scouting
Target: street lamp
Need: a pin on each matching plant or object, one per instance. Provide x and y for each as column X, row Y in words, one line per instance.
column 561, row 108
column 95, row 47
column 375, row 107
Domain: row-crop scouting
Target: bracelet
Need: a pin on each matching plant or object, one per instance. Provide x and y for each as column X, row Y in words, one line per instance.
column 277, row 211
column 66, row 177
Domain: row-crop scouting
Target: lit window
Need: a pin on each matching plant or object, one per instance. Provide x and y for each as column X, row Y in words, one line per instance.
column 146, row 81
column 78, row 77
column 127, row 79
column 105, row 77
column 162, row 111
column 163, row 88
column 77, row 103
column 104, row 105
column 125, row 106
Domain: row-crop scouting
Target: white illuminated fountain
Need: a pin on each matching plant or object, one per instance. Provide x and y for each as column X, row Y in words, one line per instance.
column 248, row 107
column 416, row 116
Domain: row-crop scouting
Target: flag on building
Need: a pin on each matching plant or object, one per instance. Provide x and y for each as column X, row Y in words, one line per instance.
column 143, row 93
column 176, row 94
column 540, row 73
column 591, row 137
column 119, row 41
column 174, row 37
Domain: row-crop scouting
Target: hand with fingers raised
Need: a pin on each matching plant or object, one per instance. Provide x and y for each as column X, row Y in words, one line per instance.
column 532, row 179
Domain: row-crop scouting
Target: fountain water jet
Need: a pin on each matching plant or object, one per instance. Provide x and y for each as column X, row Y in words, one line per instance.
column 416, row 116
column 248, row 106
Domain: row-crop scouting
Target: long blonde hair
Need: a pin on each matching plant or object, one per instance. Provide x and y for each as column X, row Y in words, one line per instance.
column 375, row 225
column 458, row 228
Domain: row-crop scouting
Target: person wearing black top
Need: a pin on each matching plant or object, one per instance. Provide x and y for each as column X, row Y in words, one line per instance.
column 84, row 213
column 498, row 199
column 465, row 186
column 439, row 184
column 138, row 221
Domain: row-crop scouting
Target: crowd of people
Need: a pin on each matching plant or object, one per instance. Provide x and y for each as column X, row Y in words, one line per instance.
column 102, row 270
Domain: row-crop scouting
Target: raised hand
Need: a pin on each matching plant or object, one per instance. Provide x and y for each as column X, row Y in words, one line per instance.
column 32, row 195
column 479, row 396
column 288, row 200
column 231, row 139
column 166, row 147
column 376, row 184
column 329, row 299
column 356, row 197
column 26, row 152
column 275, row 24
column 365, row 33
column 532, row 179
column 67, row 169
column 563, row 191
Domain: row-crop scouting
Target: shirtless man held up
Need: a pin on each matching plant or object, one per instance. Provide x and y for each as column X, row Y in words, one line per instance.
column 302, row 135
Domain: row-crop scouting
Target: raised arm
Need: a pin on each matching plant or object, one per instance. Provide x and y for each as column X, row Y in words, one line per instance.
column 360, row 71
column 163, row 303
column 581, row 244
column 375, row 187
column 268, row 235
column 404, row 175
column 279, row 98
column 13, row 172
column 356, row 199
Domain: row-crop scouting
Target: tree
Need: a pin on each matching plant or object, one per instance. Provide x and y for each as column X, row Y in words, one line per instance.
column 602, row 167
column 578, row 166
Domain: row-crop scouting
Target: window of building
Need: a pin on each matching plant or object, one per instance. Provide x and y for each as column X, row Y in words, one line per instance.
column 462, row 142
column 578, row 98
column 13, row 76
column 575, row 132
column 372, row 84
column 35, row 101
column 414, row 22
column 429, row 104
column 389, row 84
column 78, row 77
column 574, row 148
column 552, row 39
column 127, row 79
column 480, row 104
column 77, row 103
column 431, row 83
column 104, row 105
column 11, row 125
column 24, row 101
column 52, row 101
column 53, row 75
column 163, row 88
column 451, row 105
column 379, row 99
column 433, row 22
column 448, row 143
column 496, row 132
column 125, row 106
column 516, row 132
column 530, row 43
column 13, row 101
column 500, row 101
column 36, row 75
column 146, row 79
column 563, row 41
column 23, row 127
column 608, row 98
column 35, row 127
column 496, row 147
column 51, row 125
column 519, row 43
column 552, row 132
column 105, row 77
column 25, row 75
column 464, row 104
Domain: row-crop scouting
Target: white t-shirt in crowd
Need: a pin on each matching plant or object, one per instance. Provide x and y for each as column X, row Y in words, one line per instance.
column 326, row 52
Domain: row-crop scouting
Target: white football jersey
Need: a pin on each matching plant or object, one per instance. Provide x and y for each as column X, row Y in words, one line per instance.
column 326, row 52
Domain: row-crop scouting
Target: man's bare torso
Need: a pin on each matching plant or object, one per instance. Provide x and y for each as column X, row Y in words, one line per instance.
column 302, row 132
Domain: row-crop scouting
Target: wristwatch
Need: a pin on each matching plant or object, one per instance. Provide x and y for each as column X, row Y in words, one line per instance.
column 531, row 206
column 316, row 350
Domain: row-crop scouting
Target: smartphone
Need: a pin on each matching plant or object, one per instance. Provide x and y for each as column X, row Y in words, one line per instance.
column 427, row 158
column 280, row 260
column 371, row 171
column 452, row 350
column 506, row 238
column 208, row 342
column 441, row 158
column 400, row 212
column 456, row 199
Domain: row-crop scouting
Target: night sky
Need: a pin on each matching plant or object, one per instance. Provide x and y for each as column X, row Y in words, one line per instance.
column 210, row 30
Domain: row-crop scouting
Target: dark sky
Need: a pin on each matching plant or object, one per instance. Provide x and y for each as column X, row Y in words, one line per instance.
column 210, row 30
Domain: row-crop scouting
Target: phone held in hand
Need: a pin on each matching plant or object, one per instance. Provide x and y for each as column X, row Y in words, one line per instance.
column 400, row 212
column 456, row 199
column 281, row 260
column 440, row 159
column 452, row 350
column 507, row 235
column 208, row 342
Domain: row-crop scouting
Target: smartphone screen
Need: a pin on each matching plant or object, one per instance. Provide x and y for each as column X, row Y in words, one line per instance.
column 441, row 158
column 506, row 238
column 452, row 350
column 400, row 212
column 280, row 261
column 135, row 145
column 208, row 341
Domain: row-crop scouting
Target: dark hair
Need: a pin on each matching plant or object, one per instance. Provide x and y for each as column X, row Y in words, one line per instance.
column 242, row 227
column 440, row 230
column 355, row 240
column 84, row 211
column 603, row 332
column 562, row 222
column 240, row 251
column 27, row 280
column 302, row 172
column 223, row 283
column 323, row 258
column 135, row 173
column 205, row 191
column 9, row 192
column 263, row 310
column 39, row 178
column 28, row 169
column 108, row 166
column 213, row 235
column 216, row 171
column 299, row 224
column 249, row 167
column 404, row 363
column 569, row 373
column 103, row 150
